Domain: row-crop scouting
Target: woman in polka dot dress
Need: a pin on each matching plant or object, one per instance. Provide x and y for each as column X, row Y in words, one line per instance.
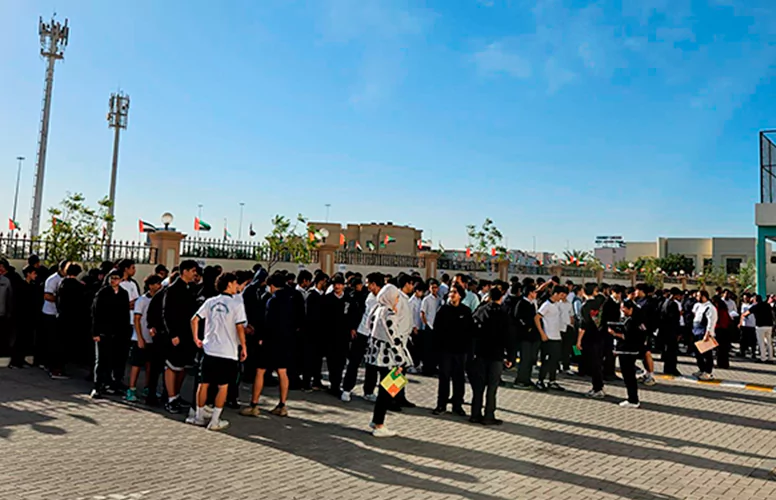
column 387, row 350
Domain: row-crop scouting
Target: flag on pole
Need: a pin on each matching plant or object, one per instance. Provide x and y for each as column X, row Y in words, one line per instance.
column 493, row 251
column 251, row 231
column 200, row 225
column 342, row 240
column 145, row 227
column 389, row 239
column 56, row 221
column 227, row 234
column 358, row 247
column 468, row 253
column 420, row 244
column 371, row 246
column 13, row 225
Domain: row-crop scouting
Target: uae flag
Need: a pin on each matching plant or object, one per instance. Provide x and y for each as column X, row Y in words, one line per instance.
column 389, row 239
column 358, row 247
column 200, row 225
column 145, row 227
column 370, row 246
column 13, row 225
column 55, row 221
column 227, row 234
column 493, row 251
column 468, row 253
column 342, row 240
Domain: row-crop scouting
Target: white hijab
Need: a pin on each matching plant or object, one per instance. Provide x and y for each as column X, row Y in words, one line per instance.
column 382, row 324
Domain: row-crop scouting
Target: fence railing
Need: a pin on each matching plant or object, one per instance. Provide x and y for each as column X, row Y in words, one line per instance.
column 377, row 259
column 213, row 248
column 21, row 247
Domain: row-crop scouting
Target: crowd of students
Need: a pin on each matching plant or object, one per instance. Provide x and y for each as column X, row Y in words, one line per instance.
column 248, row 325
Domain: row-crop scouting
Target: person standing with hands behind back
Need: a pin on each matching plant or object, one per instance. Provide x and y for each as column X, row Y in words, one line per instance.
column 387, row 350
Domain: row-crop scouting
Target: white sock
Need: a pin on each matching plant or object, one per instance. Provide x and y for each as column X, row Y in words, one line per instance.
column 170, row 400
column 200, row 413
column 216, row 415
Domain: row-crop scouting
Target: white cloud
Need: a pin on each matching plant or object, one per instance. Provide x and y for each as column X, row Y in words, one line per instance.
column 495, row 58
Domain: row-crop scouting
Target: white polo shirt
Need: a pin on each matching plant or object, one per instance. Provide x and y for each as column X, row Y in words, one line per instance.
column 222, row 314
column 51, row 286
column 551, row 318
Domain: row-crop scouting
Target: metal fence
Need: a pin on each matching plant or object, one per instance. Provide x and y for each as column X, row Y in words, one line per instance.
column 213, row 248
column 378, row 259
column 21, row 247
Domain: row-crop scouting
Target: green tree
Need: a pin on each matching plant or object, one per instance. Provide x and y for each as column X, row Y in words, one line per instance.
column 484, row 239
column 577, row 256
column 747, row 276
column 289, row 241
column 76, row 230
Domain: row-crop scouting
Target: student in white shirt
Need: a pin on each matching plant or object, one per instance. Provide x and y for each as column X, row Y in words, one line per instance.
column 225, row 321
column 416, row 340
column 48, row 327
column 428, row 311
column 126, row 268
column 143, row 352
column 374, row 283
column 704, row 323
column 549, row 322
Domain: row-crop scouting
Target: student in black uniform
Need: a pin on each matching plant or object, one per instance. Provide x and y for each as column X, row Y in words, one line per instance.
column 108, row 326
column 453, row 330
column 629, row 347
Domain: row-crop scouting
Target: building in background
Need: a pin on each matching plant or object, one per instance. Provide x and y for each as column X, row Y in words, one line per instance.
column 704, row 252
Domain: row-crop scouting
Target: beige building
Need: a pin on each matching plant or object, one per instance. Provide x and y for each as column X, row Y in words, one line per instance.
column 731, row 252
column 404, row 238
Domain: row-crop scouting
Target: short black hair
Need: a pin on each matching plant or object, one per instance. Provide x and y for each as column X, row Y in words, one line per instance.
column 33, row 260
column 619, row 289
column 555, row 280
column 125, row 264
column 376, row 278
column 560, row 289
column 445, row 277
column 432, row 281
column 73, row 269
column 420, row 286
column 338, row 279
column 222, row 283
column 152, row 279
column 256, row 267
column 495, row 294
column 403, row 280
column 244, row 276
column 705, row 295
column 161, row 268
column 63, row 264
column 30, row 268
column 304, row 275
column 628, row 304
column 277, row 280
column 591, row 288
column 321, row 276
column 187, row 265
column 460, row 289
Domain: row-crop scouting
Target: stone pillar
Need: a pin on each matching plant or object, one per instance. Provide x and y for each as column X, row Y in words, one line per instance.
column 556, row 270
column 503, row 270
column 683, row 279
column 599, row 276
column 168, row 247
column 430, row 260
column 633, row 274
column 326, row 257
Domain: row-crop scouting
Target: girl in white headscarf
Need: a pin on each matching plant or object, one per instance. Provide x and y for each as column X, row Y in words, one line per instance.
column 387, row 350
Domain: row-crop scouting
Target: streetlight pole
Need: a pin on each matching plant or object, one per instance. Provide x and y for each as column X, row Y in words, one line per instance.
column 239, row 230
column 328, row 206
column 16, row 194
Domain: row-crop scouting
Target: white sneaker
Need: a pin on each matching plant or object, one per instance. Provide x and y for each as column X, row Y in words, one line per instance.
column 372, row 398
column 383, row 432
column 218, row 426
column 192, row 414
column 570, row 372
column 193, row 421
column 345, row 397
column 697, row 374
column 649, row 381
column 596, row 394
column 706, row 376
column 628, row 404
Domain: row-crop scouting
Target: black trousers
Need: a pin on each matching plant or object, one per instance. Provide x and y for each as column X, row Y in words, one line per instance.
column 430, row 358
column 46, row 330
column 58, row 346
column 724, row 338
column 593, row 352
column 704, row 360
column 21, row 340
column 451, row 368
column 313, row 360
column 748, row 340
column 529, row 353
column 550, row 353
column 569, row 340
column 121, row 353
column 297, row 367
column 335, row 361
column 608, row 361
column 484, row 377
column 356, row 355
column 670, row 347
column 384, row 400
column 105, row 354
column 628, row 368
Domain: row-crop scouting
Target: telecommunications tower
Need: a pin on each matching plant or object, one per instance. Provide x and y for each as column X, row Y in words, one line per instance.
column 118, row 115
column 53, row 40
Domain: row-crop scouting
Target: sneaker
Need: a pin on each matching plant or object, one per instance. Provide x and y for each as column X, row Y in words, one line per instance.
column 193, row 421
column 58, row 376
column 697, row 374
column 475, row 419
column 383, row 432
column 280, row 411
column 372, row 425
column 628, row 404
column 492, row 421
column 145, row 393
column 95, row 394
column 250, row 411
column 555, row 386
column 437, row 411
column 540, row 386
column 596, row 394
column 459, row 411
column 649, row 381
column 706, row 376
column 218, row 426
column 234, row 404
column 570, row 372
column 412, row 370
column 523, row 385
column 131, row 396
column 110, row 390
column 345, row 396
column 13, row 366
column 372, row 398
column 173, row 406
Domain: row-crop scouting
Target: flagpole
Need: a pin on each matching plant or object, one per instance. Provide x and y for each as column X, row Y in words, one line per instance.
column 199, row 216
column 16, row 196
column 239, row 230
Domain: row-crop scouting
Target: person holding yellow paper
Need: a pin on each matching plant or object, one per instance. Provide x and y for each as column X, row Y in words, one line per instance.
column 387, row 351
column 704, row 321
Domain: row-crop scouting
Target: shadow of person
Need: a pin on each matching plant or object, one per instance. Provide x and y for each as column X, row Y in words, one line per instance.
column 389, row 461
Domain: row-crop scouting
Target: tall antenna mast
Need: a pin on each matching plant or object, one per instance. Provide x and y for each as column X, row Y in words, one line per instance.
column 118, row 115
column 53, row 40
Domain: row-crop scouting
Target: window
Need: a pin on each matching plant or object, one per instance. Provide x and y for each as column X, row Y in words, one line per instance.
column 708, row 264
column 733, row 266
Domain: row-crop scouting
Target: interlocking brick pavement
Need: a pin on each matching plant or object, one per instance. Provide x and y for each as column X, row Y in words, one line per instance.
column 686, row 442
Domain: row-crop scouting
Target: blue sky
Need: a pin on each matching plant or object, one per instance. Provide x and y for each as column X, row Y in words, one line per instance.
column 560, row 119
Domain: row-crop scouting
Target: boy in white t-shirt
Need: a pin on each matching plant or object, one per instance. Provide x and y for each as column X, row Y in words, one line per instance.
column 142, row 352
column 225, row 321
column 550, row 323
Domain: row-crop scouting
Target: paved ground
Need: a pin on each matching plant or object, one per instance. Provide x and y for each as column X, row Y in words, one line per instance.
column 687, row 442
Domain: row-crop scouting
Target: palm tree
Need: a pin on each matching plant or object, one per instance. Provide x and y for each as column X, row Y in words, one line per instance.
column 577, row 256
